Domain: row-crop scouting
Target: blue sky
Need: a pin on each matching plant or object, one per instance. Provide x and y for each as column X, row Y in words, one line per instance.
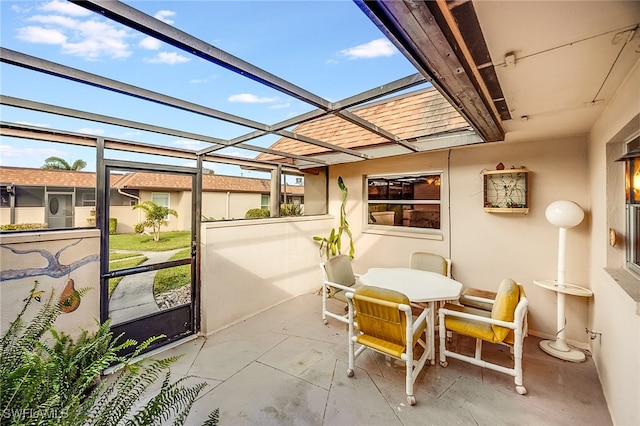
column 327, row 47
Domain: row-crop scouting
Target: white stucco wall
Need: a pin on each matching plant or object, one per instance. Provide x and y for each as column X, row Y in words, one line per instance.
column 75, row 246
column 249, row 266
column 614, row 313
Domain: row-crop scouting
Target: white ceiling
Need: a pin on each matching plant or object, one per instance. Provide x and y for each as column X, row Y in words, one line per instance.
column 570, row 58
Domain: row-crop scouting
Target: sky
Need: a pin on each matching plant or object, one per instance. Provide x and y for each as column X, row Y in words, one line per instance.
column 327, row 47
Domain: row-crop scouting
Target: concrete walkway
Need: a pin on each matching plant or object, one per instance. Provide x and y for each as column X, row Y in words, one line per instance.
column 133, row 297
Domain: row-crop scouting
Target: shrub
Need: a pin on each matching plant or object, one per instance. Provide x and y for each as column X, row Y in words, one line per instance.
column 113, row 226
column 290, row 210
column 22, row 226
column 139, row 228
column 60, row 383
column 257, row 213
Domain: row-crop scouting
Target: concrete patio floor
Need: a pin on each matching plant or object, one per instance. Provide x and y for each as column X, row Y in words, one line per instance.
column 284, row 367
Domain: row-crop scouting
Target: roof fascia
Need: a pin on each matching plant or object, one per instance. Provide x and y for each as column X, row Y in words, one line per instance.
column 415, row 28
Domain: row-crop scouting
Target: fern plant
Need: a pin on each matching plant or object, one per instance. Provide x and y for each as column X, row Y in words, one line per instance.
column 57, row 380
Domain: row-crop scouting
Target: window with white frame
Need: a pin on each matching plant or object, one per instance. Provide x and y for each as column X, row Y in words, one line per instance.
column 161, row 199
column 407, row 200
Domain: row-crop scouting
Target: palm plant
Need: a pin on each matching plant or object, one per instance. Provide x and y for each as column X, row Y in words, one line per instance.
column 57, row 163
column 156, row 216
column 58, row 381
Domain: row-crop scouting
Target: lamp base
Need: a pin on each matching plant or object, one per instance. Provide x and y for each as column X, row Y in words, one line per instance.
column 549, row 346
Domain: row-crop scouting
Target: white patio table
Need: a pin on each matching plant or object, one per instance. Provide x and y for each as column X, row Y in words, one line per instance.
column 418, row 286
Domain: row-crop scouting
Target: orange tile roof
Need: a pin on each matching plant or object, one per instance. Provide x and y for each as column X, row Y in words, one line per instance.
column 417, row 114
column 138, row 180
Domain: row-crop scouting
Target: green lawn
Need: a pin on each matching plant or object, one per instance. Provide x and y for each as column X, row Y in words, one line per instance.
column 140, row 242
column 169, row 279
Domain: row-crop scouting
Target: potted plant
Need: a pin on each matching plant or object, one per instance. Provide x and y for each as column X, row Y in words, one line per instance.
column 332, row 245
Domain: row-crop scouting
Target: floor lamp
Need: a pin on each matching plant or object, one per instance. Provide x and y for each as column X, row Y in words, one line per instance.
column 563, row 214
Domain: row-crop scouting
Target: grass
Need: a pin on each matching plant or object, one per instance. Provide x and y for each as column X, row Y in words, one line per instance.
column 169, row 240
column 172, row 278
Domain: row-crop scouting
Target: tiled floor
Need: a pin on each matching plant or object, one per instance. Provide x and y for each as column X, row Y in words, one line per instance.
column 284, row 367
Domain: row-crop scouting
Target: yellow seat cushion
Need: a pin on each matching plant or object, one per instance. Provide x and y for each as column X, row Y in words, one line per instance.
column 504, row 307
column 469, row 327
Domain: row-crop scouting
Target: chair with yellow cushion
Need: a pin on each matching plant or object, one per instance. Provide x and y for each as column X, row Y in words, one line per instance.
column 504, row 324
column 337, row 278
column 386, row 325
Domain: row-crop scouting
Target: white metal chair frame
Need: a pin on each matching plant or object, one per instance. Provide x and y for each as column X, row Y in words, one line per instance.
column 519, row 327
column 327, row 287
column 413, row 367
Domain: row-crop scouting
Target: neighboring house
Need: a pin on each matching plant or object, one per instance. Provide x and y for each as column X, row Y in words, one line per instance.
column 67, row 199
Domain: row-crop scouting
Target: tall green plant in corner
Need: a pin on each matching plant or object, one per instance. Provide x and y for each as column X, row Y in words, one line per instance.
column 332, row 245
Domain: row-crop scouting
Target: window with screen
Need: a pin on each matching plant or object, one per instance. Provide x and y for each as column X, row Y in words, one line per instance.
column 404, row 201
column 632, row 196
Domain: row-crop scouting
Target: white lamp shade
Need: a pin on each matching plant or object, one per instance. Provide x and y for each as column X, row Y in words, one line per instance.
column 564, row 213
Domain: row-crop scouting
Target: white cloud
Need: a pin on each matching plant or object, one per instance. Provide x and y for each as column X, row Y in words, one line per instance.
column 41, row 35
column 373, row 49
column 168, row 58
column 90, row 131
column 163, row 15
column 89, row 39
column 150, row 43
column 66, row 8
column 188, row 144
column 9, row 151
column 280, row 106
column 250, row 99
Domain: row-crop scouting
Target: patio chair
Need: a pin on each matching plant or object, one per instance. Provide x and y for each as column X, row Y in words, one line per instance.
column 385, row 325
column 504, row 324
column 430, row 262
column 337, row 279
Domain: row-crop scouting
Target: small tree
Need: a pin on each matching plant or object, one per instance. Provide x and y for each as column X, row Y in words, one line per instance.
column 156, row 216
column 57, row 163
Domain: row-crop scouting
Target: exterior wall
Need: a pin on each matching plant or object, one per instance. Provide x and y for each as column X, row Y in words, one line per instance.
column 79, row 257
column 487, row 247
column 249, row 266
column 29, row 215
column 229, row 205
column 615, row 312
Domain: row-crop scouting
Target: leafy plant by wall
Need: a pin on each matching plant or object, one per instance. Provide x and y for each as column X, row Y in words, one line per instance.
column 332, row 244
column 57, row 380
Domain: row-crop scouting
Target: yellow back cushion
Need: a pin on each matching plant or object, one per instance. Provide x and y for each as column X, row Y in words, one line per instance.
column 378, row 314
column 507, row 299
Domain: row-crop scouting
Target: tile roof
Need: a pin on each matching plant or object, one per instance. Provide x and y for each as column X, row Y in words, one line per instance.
column 417, row 114
column 138, row 180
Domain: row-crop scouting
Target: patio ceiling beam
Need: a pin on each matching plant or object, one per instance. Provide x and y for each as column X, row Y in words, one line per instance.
column 68, row 112
column 71, row 138
column 133, row 18
column 52, row 68
column 427, row 35
column 369, row 95
column 37, row 64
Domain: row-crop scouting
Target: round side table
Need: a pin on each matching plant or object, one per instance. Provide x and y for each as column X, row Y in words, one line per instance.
column 559, row 347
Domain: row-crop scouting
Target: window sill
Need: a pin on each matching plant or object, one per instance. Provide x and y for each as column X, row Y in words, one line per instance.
column 629, row 282
column 390, row 231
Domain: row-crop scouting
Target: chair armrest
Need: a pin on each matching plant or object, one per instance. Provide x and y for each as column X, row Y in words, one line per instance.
column 479, row 299
column 339, row 286
column 447, row 312
column 421, row 317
